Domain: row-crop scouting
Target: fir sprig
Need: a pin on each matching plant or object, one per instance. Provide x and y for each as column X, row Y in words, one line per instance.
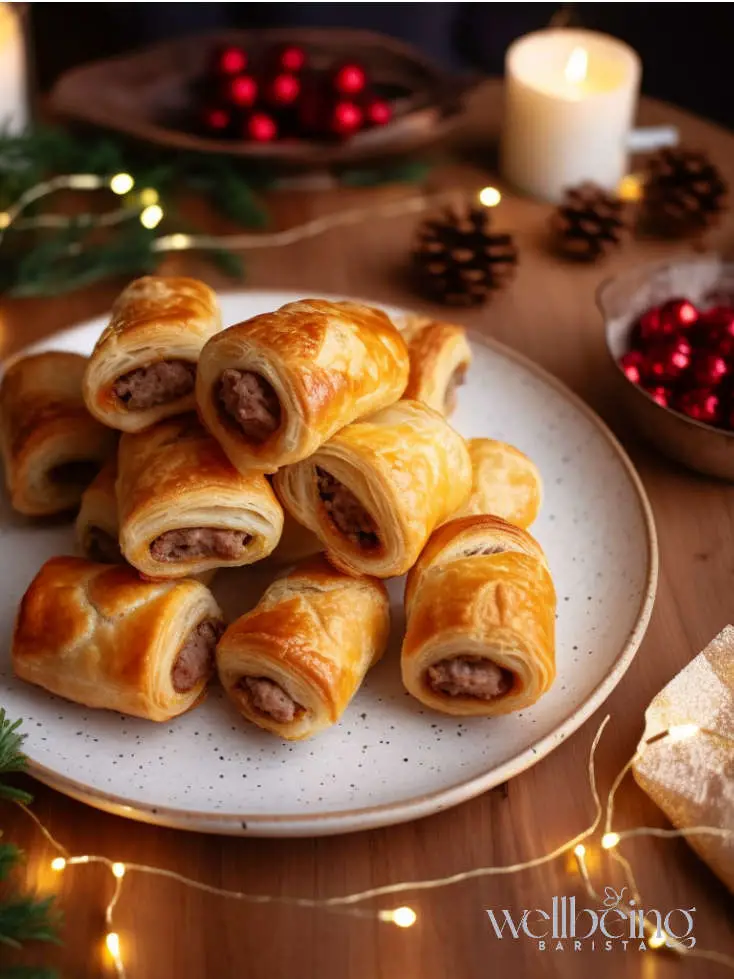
column 23, row 917
column 28, row 919
column 48, row 262
column 12, row 758
column 9, row 857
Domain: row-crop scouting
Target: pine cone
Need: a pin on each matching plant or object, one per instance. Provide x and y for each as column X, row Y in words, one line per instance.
column 683, row 194
column 459, row 260
column 588, row 222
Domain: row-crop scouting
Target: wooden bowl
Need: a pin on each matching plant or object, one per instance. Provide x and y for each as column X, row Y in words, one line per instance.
column 706, row 281
column 147, row 94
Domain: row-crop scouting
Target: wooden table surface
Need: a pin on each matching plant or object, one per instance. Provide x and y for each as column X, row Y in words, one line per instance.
column 166, row 931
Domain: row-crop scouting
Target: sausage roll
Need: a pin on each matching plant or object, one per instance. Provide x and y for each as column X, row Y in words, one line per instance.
column 439, row 359
column 480, row 607
column 184, row 509
column 294, row 662
column 505, row 483
column 377, row 489
column 97, row 527
column 143, row 367
column 273, row 389
column 98, row 635
column 50, row 444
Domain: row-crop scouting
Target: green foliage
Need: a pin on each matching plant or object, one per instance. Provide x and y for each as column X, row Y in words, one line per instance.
column 9, row 857
column 46, row 263
column 401, row 172
column 49, row 262
column 23, row 917
column 27, row 919
column 12, row 758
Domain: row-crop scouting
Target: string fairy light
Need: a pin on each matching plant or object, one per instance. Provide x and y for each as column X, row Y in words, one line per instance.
column 146, row 206
column 405, row 916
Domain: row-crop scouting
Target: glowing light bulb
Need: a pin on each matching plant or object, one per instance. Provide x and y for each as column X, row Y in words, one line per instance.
column 4, row 219
column 679, row 732
column 118, row 869
column 121, row 183
column 657, row 940
column 579, row 849
column 404, row 917
column 58, row 863
column 151, row 216
column 489, row 197
column 179, row 241
column 112, row 941
column 630, row 187
column 609, row 840
column 576, row 66
column 148, row 195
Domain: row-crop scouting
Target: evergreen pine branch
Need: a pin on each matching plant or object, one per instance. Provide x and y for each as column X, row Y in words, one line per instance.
column 12, row 758
column 9, row 857
column 28, row 919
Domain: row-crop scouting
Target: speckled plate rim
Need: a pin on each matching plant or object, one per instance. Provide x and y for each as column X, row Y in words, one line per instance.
column 371, row 817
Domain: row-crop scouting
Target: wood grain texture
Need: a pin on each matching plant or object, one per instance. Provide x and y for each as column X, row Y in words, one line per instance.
column 549, row 314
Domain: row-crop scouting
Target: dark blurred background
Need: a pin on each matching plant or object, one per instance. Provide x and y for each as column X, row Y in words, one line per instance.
column 686, row 48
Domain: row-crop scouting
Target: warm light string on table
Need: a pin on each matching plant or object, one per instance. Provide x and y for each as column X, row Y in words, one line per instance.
column 405, row 916
column 145, row 206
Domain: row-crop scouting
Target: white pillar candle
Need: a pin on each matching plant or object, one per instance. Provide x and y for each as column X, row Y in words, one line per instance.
column 570, row 98
column 13, row 96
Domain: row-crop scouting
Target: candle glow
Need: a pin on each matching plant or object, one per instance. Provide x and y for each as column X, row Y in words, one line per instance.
column 577, row 66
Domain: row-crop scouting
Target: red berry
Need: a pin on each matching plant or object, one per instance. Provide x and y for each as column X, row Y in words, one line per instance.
column 718, row 317
column 709, row 369
column 716, row 330
column 651, row 326
column 699, row 403
column 666, row 320
column 261, row 127
column 230, row 60
column 659, row 393
column 680, row 311
column 350, row 79
column 669, row 358
column 346, row 118
column 217, row 119
column 378, row 112
column 243, row 90
column 284, row 90
column 291, row 58
column 632, row 364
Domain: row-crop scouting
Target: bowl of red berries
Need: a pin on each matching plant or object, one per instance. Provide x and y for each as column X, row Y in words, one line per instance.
column 298, row 97
column 670, row 333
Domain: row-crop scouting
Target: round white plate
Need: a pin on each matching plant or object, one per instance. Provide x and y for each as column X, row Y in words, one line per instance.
column 389, row 759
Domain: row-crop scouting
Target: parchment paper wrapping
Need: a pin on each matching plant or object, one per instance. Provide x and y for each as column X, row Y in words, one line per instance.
column 692, row 780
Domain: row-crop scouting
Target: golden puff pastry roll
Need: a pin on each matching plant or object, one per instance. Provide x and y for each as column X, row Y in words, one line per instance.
column 271, row 390
column 97, row 526
column 505, row 483
column 51, row 446
column 480, row 608
column 376, row 490
column 293, row 663
column 143, row 367
column 440, row 356
column 184, row 509
column 98, row 635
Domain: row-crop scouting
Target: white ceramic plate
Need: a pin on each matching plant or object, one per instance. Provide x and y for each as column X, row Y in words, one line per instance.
column 389, row 760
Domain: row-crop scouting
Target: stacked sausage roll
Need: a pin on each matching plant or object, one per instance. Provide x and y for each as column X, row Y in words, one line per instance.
column 315, row 434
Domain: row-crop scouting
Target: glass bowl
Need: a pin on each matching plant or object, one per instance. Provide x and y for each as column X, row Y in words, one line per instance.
column 706, row 281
